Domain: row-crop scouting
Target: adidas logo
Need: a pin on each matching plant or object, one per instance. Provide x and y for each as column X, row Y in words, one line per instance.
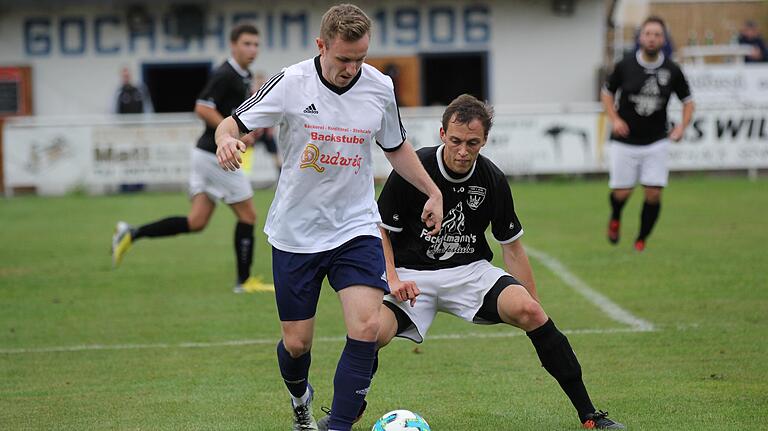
column 311, row 109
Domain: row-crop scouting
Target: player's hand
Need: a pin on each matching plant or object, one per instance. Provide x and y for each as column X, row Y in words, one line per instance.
column 251, row 138
column 677, row 133
column 620, row 128
column 432, row 215
column 228, row 153
column 404, row 290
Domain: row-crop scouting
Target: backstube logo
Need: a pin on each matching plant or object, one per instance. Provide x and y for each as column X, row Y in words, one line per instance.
column 311, row 109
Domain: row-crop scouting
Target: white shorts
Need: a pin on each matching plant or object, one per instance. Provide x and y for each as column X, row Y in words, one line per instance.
column 646, row 164
column 206, row 176
column 459, row 291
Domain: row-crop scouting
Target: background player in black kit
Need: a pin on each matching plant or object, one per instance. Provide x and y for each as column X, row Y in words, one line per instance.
column 227, row 88
column 451, row 271
column 640, row 139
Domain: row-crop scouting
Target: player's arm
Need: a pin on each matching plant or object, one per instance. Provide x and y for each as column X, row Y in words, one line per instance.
column 620, row 127
column 228, row 143
column 209, row 114
column 677, row 132
column 406, row 163
column 402, row 290
column 516, row 263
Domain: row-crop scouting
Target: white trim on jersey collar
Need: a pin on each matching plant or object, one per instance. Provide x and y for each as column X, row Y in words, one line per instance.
column 645, row 64
column 443, row 171
column 240, row 71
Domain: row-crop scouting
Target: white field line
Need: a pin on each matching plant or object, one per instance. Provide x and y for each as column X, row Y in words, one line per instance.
column 273, row 341
column 613, row 310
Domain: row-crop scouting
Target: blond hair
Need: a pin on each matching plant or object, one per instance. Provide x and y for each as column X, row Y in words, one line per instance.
column 346, row 21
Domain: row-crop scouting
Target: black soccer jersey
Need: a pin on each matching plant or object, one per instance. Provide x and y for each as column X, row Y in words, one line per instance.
column 645, row 91
column 481, row 198
column 226, row 90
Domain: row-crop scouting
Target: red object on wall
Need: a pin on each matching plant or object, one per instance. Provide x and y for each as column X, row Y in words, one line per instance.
column 15, row 100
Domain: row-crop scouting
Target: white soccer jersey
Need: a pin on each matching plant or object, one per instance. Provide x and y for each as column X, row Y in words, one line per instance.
column 325, row 194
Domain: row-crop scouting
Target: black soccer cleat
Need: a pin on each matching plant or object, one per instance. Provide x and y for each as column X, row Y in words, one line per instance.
column 322, row 424
column 599, row 420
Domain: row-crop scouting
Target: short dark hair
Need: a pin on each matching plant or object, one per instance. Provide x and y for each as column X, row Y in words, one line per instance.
column 654, row 19
column 466, row 108
column 240, row 29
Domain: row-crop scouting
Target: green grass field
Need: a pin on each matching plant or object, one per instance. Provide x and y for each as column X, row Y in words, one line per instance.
column 163, row 344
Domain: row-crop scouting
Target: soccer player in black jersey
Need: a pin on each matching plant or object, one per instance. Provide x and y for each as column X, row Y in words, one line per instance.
column 451, row 271
column 640, row 139
column 227, row 88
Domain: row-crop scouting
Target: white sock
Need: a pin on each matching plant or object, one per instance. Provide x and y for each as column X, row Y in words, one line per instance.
column 302, row 400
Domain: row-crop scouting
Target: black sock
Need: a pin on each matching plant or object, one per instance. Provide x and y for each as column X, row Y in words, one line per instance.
column 295, row 371
column 243, row 250
column 616, row 207
column 557, row 357
column 166, row 227
column 648, row 218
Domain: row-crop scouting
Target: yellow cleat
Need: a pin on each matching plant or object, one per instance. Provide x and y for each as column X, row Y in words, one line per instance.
column 253, row 285
column 121, row 242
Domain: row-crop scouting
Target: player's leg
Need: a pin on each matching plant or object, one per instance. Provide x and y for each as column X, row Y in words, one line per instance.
column 298, row 278
column 244, row 243
column 623, row 175
column 654, row 175
column 294, row 358
column 649, row 215
column 356, row 272
column 125, row 234
column 618, row 198
column 352, row 381
column 393, row 321
column 516, row 307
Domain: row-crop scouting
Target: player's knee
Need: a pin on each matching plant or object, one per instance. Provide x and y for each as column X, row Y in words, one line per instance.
column 366, row 329
column 248, row 217
column 196, row 224
column 653, row 194
column 533, row 314
column 297, row 346
column 530, row 315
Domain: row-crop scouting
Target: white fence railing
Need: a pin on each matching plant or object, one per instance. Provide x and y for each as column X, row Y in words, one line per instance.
column 99, row 154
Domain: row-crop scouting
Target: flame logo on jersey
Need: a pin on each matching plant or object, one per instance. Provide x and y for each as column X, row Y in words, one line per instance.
column 451, row 239
column 309, row 158
column 453, row 223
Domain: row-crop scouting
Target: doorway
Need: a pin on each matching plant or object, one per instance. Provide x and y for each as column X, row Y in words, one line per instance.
column 174, row 87
column 447, row 75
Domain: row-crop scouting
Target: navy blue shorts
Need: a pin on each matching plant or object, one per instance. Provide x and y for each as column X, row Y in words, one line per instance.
column 299, row 276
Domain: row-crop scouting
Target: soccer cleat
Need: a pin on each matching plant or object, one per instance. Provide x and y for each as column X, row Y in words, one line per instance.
column 121, row 242
column 322, row 424
column 302, row 414
column 640, row 245
column 613, row 231
column 253, row 284
column 599, row 420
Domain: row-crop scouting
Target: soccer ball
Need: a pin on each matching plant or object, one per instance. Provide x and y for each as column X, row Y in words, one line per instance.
column 401, row 420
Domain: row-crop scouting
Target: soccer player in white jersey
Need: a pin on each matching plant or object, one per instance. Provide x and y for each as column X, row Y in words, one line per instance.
column 451, row 272
column 323, row 220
